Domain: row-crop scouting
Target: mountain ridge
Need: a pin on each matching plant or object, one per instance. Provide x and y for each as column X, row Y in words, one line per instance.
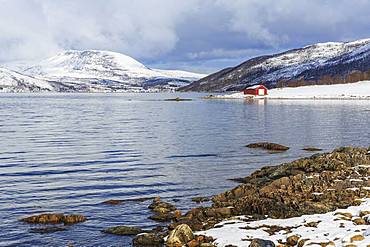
column 101, row 71
column 321, row 63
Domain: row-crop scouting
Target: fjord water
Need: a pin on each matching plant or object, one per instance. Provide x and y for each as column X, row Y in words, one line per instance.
column 70, row 152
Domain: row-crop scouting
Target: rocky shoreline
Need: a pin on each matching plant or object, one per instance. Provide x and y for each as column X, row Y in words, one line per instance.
column 315, row 185
column 319, row 184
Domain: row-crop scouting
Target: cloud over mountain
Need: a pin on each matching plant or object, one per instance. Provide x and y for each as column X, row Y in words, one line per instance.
column 205, row 33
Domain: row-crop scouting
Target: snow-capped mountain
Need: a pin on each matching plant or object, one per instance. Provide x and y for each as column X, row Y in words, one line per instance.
column 323, row 63
column 11, row 81
column 94, row 70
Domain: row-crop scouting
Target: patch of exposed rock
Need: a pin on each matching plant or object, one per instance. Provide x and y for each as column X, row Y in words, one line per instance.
column 268, row 146
column 117, row 202
column 148, row 240
column 261, row 243
column 180, row 236
column 54, row 219
column 178, row 99
column 200, row 199
column 163, row 211
column 318, row 184
column 123, row 230
column 311, row 149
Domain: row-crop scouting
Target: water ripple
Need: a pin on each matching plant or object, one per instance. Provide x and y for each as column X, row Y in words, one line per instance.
column 69, row 153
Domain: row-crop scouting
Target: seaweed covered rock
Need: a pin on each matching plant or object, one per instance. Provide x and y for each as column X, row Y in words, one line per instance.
column 54, row 219
column 200, row 199
column 268, row 146
column 163, row 211
column 123, row 230
column 148, row 239
column 311, row 149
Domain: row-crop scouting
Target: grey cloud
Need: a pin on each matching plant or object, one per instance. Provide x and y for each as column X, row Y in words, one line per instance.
column 196, row 34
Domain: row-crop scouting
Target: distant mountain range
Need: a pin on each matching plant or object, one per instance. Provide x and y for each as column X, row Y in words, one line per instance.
column 92, row 71
column 323, row 63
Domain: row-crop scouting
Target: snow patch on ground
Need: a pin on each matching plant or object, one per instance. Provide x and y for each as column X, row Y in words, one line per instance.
column 358, row 90
column 337, row 91
column 335, row 228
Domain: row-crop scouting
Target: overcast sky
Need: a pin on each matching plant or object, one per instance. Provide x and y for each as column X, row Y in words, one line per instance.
column 198, row 35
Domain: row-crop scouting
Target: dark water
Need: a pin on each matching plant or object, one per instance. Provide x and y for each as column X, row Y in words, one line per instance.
column 69, row 153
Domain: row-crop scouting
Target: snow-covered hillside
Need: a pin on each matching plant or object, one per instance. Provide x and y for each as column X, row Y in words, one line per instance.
column 322, row 63
column 94, row 70
column 294, row 63
column 11, row 81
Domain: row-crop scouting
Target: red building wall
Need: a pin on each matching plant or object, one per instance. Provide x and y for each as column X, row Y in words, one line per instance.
column 254, row 91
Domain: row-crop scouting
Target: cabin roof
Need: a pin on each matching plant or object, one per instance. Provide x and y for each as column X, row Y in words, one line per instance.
column 255, row 86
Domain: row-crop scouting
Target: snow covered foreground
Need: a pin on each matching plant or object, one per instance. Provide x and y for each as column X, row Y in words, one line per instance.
column 336, row 228
column 358, row 90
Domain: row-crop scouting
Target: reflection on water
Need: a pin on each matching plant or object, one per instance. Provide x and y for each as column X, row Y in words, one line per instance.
column 69, row 153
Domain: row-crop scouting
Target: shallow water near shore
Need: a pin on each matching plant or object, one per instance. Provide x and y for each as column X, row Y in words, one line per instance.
column 70, row 152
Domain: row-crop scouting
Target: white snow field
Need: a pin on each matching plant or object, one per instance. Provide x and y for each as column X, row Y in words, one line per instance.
column 358, row 90
column 333, row 229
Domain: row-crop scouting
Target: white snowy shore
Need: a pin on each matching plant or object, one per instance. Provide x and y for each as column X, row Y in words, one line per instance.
column 343, row 227
column 358, row 90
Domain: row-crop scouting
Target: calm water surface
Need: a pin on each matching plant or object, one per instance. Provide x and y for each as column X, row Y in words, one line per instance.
column 69, row 153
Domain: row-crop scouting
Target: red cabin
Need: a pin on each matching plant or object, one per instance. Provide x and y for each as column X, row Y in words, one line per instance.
column 257, row 90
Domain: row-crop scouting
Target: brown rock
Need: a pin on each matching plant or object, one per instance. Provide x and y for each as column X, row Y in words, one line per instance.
column 181, row 235
column 157, row 204
column 219, row 212
column 54, row 219
column 161, row 210
column 148, row 240
column 177, row 214
column 345, row 214
column 292, row 240
column 123, row 230
column 256, row 242
column 268, row 146
column 302, row 242
column 312, row 224
column 311, row 149
column 162, row 217
column 357, row 238
column 200, row 199
column 113, row 202
column 359, row 221
column 193, row 243
column 364, row 213
column 72, row 219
